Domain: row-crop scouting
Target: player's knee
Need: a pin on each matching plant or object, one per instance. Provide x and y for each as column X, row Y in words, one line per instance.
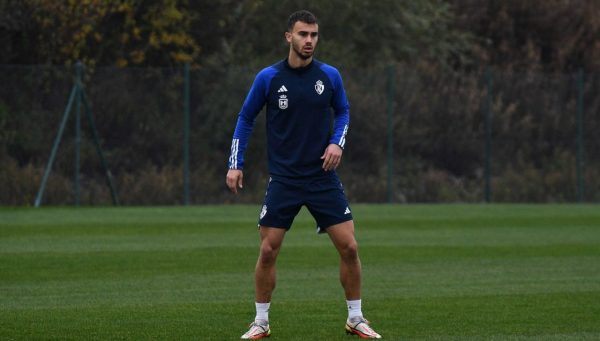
column 349, row 251
column 268, row 254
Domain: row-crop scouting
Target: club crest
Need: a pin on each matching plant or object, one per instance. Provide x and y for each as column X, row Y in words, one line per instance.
column 283, row 102
column 319, row 87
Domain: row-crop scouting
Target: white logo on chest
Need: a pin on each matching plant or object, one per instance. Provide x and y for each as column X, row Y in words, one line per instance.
column 319, row 87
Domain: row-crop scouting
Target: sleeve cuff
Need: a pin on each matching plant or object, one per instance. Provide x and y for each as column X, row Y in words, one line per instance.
column 337, row 144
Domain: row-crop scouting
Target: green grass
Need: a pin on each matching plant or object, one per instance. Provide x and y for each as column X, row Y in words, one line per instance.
column 430, row 272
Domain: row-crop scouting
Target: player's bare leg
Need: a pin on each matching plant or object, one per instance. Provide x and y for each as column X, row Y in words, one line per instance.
column 342, row 236
column 271, row 240
column 270, row 244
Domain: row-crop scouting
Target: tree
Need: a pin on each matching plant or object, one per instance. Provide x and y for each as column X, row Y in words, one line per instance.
column 353, row 32
column 553, row 35
column 99, row 32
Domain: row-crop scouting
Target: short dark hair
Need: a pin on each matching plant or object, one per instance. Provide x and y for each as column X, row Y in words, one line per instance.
column 303, row 16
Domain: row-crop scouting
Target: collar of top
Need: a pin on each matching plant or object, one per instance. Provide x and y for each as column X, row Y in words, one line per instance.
column 301, row 69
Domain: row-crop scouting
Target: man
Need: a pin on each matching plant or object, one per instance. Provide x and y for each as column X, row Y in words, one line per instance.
column 299, row 93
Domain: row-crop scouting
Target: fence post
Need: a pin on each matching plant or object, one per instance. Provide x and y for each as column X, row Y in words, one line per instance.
column 488, row 136
column 580, row 140
column 61, row 129
column 96, row 139
column 78, row 82
column 391, row 71
column 186, row 134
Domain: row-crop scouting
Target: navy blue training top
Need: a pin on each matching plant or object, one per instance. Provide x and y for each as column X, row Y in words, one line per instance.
column 299, row 103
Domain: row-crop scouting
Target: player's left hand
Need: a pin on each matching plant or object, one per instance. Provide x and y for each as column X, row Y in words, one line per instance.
column 332, row 157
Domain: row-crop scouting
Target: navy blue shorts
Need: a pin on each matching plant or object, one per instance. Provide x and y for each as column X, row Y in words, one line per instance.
column 324, row 198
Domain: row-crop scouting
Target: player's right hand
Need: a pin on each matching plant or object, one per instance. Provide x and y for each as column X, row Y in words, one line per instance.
column 234, row 180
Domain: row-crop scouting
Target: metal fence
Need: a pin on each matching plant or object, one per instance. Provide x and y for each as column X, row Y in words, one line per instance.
column 416, row 135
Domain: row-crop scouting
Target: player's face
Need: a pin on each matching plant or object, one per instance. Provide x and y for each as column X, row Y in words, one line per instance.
column 303, row 39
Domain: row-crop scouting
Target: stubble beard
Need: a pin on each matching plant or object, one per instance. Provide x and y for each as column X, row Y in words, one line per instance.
column 302, row 54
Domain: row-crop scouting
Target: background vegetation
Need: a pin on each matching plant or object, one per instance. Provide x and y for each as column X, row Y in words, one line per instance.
column 440, row 52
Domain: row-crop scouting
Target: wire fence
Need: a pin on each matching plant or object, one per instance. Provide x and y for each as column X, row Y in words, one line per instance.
column 416, row 135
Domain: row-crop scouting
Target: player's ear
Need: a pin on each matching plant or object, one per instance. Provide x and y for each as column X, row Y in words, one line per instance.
column 288, row 36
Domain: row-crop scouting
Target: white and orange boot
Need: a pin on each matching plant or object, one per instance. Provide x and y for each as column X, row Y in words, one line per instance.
column 360, row 326
column 258, row 330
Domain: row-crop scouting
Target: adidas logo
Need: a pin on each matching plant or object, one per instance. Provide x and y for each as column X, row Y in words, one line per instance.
column 282, row 89
column 347, row 210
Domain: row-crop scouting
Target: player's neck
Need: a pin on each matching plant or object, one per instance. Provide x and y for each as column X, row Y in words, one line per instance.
column 296, row 62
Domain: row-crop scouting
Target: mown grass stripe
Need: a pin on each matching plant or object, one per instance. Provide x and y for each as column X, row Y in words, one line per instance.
column 431, row 272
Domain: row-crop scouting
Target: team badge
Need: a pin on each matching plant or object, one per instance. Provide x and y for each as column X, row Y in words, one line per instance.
column 283, row 102
column 319, row 87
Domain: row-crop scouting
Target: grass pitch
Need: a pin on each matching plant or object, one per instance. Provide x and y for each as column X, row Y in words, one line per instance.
column 433, row 272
